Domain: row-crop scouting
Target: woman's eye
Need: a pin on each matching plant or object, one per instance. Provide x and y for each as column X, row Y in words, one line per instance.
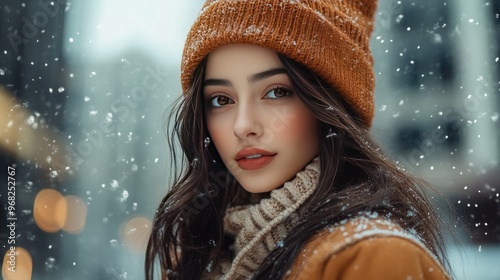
column 277, row 93
column 219, row 101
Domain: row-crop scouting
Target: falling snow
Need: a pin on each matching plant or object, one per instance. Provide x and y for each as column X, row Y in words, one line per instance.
column 114, row 185
column 494, row 117
column 114, row 242
column 50, row 264
column 53, row 174
column 123, row 197
column 91, row 128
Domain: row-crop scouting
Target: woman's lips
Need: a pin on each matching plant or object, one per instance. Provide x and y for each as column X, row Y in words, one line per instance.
column 253, row 158
column 254, row 163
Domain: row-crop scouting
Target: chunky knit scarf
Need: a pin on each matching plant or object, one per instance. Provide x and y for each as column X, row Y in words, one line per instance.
column 258, row 229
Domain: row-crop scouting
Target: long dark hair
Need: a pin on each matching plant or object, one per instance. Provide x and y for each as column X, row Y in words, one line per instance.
column 356, row 177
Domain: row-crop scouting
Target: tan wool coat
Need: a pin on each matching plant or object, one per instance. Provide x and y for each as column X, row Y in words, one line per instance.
column 366, row 249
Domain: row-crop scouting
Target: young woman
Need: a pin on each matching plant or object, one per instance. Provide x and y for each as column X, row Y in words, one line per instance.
column 281, row 179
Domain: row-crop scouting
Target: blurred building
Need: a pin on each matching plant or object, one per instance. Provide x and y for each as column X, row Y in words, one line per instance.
column 438, row 105
column 89, row 84
column 437, row 67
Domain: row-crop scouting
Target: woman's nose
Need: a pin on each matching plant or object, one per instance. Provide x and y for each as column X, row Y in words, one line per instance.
column 247, row 123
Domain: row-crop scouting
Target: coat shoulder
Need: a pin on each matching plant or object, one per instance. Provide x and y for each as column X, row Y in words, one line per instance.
column 366, row 248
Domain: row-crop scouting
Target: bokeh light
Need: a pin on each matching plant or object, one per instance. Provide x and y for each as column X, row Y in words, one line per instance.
column 75, row 216
column 135, row 233
column 48, row 213
column 53, row 211
column 20, row 263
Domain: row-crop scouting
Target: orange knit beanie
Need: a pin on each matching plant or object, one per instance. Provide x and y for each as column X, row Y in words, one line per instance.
column 329, row 37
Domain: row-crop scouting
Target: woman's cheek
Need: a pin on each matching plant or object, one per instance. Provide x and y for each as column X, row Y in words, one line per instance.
column 298, row 120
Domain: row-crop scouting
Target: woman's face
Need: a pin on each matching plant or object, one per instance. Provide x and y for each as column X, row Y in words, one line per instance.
column 262, row 130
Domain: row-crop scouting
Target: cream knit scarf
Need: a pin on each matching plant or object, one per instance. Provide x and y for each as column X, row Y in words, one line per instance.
column 258, row 229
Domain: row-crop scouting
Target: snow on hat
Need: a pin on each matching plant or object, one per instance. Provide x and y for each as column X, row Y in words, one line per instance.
column 329, row 37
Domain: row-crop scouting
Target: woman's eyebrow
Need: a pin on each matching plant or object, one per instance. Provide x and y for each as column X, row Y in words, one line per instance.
column 266, row 74
column 217, row 82
column 252, row 79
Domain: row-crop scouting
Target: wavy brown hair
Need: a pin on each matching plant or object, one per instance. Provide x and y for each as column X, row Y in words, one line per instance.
column 355, row 177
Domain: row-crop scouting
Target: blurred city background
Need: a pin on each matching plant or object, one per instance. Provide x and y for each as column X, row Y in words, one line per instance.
column 86, row 87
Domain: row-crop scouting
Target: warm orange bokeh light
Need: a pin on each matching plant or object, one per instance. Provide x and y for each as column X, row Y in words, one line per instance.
column 48, row 214
column 17, row 265
column 76, row 214
column 135, row 234
column 53, row 212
